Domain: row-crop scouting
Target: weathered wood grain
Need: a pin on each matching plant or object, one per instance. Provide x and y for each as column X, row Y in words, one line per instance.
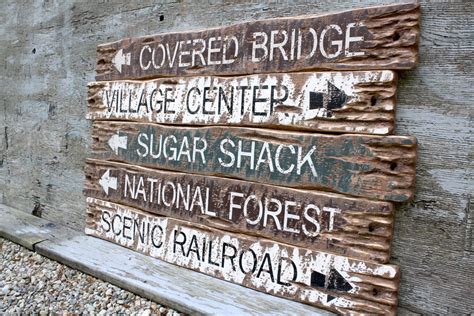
column 380, row 167
column 332, row 282
column 169, row 284
column 45, row 139
column 324, row 221
column 357, row 102
column 384, row 37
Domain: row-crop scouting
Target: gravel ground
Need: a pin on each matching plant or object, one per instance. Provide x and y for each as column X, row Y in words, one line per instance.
column 30, row 283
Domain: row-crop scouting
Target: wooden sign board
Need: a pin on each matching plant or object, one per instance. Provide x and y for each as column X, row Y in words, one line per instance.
column 383, row 37
column 380, row 167
column 350, row 102
column 337, row 283
column 324, row 221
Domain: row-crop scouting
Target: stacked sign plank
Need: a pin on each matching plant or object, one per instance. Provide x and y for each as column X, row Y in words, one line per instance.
column 237, row 177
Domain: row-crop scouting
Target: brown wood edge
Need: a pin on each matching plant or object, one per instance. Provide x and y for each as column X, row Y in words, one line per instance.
column 99, row 259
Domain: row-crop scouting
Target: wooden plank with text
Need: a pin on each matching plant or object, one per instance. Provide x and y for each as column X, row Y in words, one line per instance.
column 355, row 227
column 383, row 37
column 337, row 283
column 350, row 102
column 380, row 167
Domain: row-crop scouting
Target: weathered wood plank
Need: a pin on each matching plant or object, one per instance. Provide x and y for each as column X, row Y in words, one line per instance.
column 167, row 284
column 384, row 37
column 358, row 102
column 44, row 151
column 324, row 221
column 332, row 282
column 380, row 167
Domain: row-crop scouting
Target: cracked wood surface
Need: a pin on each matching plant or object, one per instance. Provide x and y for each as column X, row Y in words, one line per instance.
column 380, row 167
column 383, row 37
column 350, row 102
column 432, row 235
column 148, row 277
column 324, row 221
column 332, row 282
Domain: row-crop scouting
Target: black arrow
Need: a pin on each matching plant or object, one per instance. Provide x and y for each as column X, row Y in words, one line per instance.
column 333, row 281
column 334, row 99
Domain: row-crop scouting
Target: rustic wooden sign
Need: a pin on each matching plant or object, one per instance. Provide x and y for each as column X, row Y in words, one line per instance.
column 334, row 282
column 383, row 37
column 324, row 221
column 380, row 167
column 357, row 102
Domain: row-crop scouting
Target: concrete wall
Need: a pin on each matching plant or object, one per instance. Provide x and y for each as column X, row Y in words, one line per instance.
column 48, row 53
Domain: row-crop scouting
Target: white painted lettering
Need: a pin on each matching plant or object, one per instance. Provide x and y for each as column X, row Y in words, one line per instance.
column 246, row 213
column 143, row 66
column 261, row 46
column 290, row 216
column 350, row 39
column 227, row 153
column 142, row 136
column 199, row 150
column 280, row 46
column 241, row 153
column 274, row 214
column 306, row 159
column 232, row 205
column 277, row 159
column 337, row 43
column 212, row 50
column 311, row 220
column 331, row 211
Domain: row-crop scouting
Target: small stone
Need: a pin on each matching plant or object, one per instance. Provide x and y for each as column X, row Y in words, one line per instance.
column 6, row 290
column 34, row 284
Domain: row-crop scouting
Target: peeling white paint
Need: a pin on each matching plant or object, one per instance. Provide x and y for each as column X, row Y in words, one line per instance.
column 195, row 100
column 266, row 256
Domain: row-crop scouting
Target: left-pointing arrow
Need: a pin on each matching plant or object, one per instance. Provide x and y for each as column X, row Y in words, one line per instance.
column 121, row 59
column 116, row 141
column 107, row 182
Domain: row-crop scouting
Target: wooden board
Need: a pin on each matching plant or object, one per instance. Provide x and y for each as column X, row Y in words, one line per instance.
column 380, row 167
column 358, row 102
column 384, row 37
column 324, row 221
column 434, row 239
column 332, row 282
column 169, row 284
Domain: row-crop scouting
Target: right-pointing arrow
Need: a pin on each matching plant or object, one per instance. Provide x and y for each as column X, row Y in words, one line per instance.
column 107, row 182
column 116, row 141
column 333, row 281
column 333, row 99
column 337, row 97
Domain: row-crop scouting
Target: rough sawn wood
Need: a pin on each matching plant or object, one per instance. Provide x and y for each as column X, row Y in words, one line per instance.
column 324, row 221
column 349, row 102
column 332, row 282
column 383, row 37
column 380, row 167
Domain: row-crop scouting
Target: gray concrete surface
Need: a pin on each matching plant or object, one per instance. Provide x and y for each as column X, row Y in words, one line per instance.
column 47, row 50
